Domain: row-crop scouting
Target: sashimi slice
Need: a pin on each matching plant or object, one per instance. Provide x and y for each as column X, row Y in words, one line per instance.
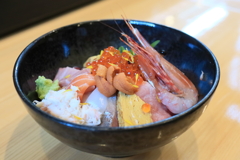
column 109, row 118
column 97, row 100
column 106, row 106
column 83, row 82
column 67, row 74
column 148, row 94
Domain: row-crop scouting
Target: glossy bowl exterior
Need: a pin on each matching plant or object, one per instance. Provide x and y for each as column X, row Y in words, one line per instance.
column 72, row 45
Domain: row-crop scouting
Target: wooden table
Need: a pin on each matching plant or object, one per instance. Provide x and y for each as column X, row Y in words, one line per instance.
column 215, row 136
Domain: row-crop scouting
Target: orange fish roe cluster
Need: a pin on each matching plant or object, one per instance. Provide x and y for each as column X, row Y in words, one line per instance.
column 125, row 60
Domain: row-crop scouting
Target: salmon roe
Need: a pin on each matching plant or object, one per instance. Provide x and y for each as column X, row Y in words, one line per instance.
column 125, row 60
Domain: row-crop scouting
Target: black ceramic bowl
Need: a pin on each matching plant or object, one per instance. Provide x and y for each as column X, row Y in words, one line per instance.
column 72, row 45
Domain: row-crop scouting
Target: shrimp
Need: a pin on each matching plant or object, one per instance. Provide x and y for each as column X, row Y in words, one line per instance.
column 173, row 88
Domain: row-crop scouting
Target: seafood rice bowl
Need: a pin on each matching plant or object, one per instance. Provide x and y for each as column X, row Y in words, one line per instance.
column 116, row 88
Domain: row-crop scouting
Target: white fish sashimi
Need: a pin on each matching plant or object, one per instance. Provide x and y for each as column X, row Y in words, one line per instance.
column 106, row 105
column 109, row 117
column 97, row 100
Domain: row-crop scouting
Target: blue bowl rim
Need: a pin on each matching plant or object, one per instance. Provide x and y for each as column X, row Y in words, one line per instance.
column 106, row 129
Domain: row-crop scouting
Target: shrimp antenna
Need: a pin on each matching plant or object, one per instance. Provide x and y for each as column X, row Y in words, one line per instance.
column 121, row 31
column 127, row 21
column 111, row 27
column 124, row 16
